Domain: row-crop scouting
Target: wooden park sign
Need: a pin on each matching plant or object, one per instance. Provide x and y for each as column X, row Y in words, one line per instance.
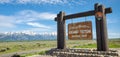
column 101, row 27
column 80, row 31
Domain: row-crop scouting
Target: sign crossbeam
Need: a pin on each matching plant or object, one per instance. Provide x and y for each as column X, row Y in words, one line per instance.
column 83, row 14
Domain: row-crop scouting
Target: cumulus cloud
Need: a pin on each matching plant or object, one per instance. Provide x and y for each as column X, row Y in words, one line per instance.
column 7, row 21
column 38, row 25
column 40, row 29
column 29, row 15
column 25, row 16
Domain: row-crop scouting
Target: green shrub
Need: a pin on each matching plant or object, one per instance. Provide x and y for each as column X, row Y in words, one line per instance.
column 16, row 55
column 42, row 52
column 3, row 50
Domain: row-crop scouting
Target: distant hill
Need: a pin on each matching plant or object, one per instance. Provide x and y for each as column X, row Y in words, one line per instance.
column 17, row 36
column 115, row 39
column 21, row 36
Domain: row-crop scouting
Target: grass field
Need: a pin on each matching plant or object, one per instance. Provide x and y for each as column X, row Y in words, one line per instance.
column 20, row 46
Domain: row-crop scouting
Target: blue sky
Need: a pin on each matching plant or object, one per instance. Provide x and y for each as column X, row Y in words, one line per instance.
column 38, row 15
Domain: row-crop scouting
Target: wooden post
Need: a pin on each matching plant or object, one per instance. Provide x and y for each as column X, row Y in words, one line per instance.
column 101, row 29
column 61, row 31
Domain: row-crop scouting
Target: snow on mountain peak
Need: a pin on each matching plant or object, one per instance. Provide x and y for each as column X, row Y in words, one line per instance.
column 31, row 33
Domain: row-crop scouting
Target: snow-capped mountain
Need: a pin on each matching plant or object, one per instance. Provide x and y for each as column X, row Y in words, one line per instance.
column 13, row 36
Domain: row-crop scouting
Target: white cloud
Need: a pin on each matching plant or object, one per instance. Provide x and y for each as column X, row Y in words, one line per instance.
column 40, row 1
column 6, row 21
column 52, row 2
column 38, row 25
column 39, row 30
column 113, row 35
column 32, row 1
column 47, row 16
column 24, row 17
column 29, row 15
column 5, row 1
column 6, row 25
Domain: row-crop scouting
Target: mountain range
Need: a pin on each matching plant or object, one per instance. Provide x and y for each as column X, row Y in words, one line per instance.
column 18, row 36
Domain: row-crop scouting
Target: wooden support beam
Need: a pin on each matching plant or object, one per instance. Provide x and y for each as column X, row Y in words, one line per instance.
column 61, row 31
column 101, row 29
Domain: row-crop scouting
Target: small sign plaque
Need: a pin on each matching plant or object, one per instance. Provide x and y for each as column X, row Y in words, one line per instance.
column 80, row 31
column 99, row 14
